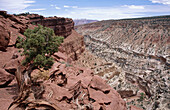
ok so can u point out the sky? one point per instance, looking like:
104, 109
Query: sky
89, 9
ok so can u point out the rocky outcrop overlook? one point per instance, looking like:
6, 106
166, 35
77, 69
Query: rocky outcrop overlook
63, 87
141, 47
61, 26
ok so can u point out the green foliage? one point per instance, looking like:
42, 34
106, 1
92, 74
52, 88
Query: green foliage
141, 96
38, 46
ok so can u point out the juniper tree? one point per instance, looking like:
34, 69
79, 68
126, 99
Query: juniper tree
39, 45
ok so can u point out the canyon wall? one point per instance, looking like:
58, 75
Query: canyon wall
61, 26
13, 26
67, 87
83, 21
141, 47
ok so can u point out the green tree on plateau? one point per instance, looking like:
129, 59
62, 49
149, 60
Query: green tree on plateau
38, 46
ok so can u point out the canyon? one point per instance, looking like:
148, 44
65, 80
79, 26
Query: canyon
83, 21
65, 86
136, 58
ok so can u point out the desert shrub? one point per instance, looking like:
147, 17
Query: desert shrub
39, 44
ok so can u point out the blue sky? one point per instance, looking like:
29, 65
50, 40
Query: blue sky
89, 9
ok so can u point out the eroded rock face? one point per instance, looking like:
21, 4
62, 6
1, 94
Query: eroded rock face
61, 26
4, 37
141, 48
78, 88
73, 45
69, 87
13, 26
5, 78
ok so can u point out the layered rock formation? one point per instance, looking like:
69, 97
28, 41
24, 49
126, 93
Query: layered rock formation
141, 47
61, 26
83, 21
67, 87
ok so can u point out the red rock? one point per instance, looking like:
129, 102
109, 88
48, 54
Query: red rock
96, 106
117, 103
99, 84
126, 93
62, 67
6, 56
3, 13
54, 68
68, 81
60, 55
61, 26
7, 95
132, 107
5, 78
53, 91
4, 37
73, 45
99, 96
12, 66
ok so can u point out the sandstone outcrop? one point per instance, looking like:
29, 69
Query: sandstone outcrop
61, 26
141, 48
5, 78
66, 86
73, 45
4, 37
73, 87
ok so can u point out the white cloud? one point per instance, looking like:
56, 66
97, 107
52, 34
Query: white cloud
134, 6
101, 13
58, 8
38, 9
66, 6
13, 6
165, 2
29, 1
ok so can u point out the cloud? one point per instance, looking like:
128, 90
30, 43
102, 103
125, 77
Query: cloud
102, 13
38, 9
58, 8
165, 2
74, 6
66, 6
13, 6
134, 6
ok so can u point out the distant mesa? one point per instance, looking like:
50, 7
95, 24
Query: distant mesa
83, 21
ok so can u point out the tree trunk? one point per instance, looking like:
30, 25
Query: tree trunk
26, 99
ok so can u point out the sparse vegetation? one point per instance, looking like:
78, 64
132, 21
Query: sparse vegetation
38, 46
141, 96
44, 75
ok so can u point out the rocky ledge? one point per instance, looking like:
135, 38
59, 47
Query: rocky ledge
66, 86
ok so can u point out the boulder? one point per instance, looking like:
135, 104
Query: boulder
99, 84
12, 66
5, 78
4, 37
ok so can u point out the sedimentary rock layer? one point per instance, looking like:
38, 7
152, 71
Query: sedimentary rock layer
141, 47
